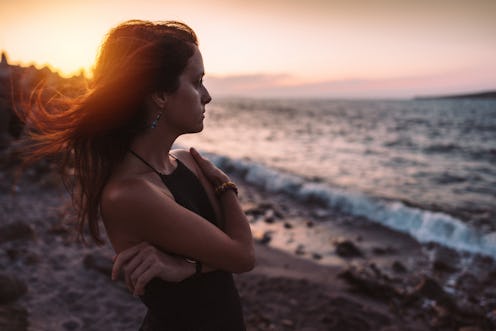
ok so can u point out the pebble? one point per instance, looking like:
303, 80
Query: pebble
266, 238
316, 256
11, 289
16, 231
300, 250
399, 267
347, 248
382, 250
445, 259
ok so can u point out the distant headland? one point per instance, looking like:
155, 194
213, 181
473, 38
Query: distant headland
478, 95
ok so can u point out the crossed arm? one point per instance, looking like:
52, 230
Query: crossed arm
160, 231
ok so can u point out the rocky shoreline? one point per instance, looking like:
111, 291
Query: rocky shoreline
360, 277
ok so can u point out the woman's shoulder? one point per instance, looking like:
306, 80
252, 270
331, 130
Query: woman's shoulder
119, 192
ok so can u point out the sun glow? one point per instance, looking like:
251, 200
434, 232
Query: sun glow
310, 43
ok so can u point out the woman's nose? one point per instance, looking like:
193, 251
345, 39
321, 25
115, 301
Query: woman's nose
206, 98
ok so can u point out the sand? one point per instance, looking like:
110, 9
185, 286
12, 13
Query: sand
316, 270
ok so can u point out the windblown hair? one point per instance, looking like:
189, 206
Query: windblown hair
92, 132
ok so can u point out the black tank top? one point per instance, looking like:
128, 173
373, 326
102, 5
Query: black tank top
206, 302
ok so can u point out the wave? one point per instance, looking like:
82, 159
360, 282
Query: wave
424, 225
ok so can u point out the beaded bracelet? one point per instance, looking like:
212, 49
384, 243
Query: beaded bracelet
219, 190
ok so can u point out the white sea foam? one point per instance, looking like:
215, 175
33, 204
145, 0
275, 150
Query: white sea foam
424, 225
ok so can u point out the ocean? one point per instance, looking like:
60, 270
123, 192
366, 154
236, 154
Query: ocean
422, 167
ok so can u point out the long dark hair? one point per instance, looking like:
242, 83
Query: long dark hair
92, 132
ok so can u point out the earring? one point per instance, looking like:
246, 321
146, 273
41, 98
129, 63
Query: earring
155, 121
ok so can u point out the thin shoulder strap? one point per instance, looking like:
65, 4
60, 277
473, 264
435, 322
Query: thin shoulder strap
143, 160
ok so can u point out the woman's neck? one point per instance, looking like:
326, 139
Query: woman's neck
154, 148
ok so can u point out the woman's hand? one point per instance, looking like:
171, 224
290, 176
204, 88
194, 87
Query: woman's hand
143, 262
214, 175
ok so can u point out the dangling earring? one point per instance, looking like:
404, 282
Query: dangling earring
155, 121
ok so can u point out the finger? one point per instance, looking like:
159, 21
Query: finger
198, 158
149, 253
129, 282
141, 269
144, 279
135, 261
122, 258
134, 267
206, 166
140, 262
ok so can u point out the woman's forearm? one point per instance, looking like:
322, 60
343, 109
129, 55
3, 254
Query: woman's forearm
237, 227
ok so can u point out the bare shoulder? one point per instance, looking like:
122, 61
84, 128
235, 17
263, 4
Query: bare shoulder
123, 194
122, 189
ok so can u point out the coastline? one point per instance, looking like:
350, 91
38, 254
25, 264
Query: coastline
365, 277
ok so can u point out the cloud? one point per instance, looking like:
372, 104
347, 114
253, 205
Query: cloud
285, 85
245, 84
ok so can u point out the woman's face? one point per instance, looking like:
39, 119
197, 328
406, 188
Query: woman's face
185, 107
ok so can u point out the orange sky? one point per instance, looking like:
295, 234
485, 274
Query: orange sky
336, 48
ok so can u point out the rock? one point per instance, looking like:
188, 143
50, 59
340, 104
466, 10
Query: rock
99, 263
255, 211
383, 250
469, 308
11, 289
269, 216
316, 256
300, 250
309, 224
13, 318
430, 288
399, 267
16, 231
445, 259
468, 283
490, 279
288, 225
266, 238
368, 285
348, 249
247, 206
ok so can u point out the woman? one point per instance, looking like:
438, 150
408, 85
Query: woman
173, 215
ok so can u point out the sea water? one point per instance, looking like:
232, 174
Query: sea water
423, 167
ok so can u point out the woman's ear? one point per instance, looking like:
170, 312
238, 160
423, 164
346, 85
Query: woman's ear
160, 99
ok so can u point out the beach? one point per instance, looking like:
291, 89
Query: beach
368, 277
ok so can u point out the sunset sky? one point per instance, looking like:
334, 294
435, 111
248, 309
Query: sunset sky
311, 48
